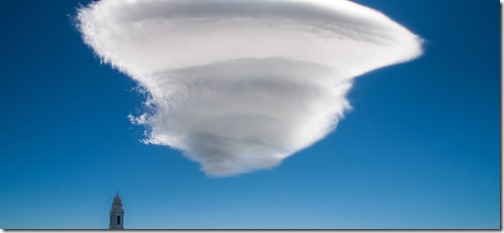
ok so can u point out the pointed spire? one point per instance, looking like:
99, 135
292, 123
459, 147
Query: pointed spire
117, 199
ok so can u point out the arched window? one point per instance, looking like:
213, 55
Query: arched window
118, 220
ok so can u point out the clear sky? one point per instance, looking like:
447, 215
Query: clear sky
420, 149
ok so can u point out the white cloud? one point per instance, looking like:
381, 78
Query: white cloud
239, 85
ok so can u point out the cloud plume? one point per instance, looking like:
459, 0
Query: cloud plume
240, 85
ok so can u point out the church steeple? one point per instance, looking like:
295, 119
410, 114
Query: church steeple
117, 214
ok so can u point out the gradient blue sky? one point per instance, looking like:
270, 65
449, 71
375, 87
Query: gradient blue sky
421, 149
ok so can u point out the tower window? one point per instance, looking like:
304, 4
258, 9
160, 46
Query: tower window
118, 220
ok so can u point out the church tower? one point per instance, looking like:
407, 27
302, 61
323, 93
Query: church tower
117, 214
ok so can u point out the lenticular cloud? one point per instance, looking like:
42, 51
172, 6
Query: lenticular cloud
240, 85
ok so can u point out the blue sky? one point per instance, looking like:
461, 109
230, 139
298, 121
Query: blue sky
420, 149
